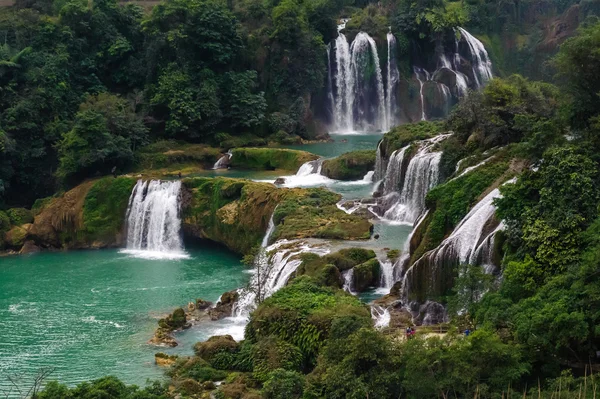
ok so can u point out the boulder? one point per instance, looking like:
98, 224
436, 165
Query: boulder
15, 237
224, 307
29, 247
279, 181
163, 337
201, 304
366, 275
164, 360
174, 321
215, 345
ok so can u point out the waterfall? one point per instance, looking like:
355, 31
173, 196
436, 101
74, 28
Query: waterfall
480, 62
393, 173
348, 280
308, 175
418, 72
330, 97
153, 219
392, 80
471, 242
387, 274
379, 164
223, 162
422, 174
274, 266
381, 316
364, 52
343, 115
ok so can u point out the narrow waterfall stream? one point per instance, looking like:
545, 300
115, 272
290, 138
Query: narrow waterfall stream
153, 220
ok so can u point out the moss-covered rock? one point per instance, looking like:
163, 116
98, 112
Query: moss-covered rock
15, 237
4, 222
236, 212
174, 321
19, 216
215, 346
270, 159
173, 154
350, 166
326, 270
91, 215
402, 135
366, 275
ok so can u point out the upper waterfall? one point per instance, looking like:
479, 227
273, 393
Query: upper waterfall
364, 95
153, 220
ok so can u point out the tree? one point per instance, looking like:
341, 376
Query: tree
243, 108
105, 134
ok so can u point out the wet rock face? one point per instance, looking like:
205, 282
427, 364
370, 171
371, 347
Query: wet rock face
428, 313
224, 307
366, 275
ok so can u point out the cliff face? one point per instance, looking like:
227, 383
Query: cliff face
90, 215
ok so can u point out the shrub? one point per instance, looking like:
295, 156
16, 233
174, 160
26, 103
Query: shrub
219, 351
283, 384
19, 216
271, 353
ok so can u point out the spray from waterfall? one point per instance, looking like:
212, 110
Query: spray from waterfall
153, 220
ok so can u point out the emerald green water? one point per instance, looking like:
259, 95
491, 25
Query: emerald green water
90, 313
341, 144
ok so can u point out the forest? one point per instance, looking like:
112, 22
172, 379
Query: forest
91, 88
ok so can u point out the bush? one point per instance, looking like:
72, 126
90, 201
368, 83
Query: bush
19, 216
271, 353
283, 384
350, 166
4, 222
219, 351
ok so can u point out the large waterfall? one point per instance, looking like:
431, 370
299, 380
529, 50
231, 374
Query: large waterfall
363, 95
358, 96
407, 182
153, 219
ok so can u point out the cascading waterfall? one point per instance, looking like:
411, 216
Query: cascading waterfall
381, 316
364, 54
393, 177
392, 80
277, 264
422, 174
480, 62
153, 219
223, 162
343, 115
361, 100
348, 280
471, 242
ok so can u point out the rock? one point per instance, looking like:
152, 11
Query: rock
366, 275
201, 304
376, 236
279, 181
15, 237
349, 166
163, 337
214, 345
224, 307
164, 360
174, 321
29, 247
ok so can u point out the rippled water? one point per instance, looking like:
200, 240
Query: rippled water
90, 313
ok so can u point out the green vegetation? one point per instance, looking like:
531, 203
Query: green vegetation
403, 135
107, 387
104, 208
269, 159
175, 154
349, 166
236, 212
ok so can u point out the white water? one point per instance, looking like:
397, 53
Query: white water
381, 317
153, 220
348, 280
387, 274
343, 115
363, 47
309, 175
418, 73
277, 264
393, 172
223, 162
393, 76
482, 66
421, 176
